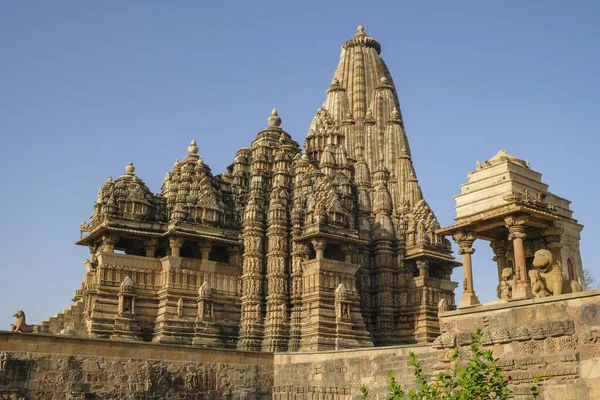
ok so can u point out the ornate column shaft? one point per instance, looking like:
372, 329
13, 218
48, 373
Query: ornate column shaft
465, 241
516, 234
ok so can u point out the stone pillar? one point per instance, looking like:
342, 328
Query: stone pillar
516, 234
348, 250
552, 237
205, 248
423, 267
499, 249
108, 242
234, 255
300, 253
465, 241
175, 243
319, 245
151, 247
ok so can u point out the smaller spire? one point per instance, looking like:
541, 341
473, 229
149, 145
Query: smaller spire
395, 114
130, 169
109, 179
193, 149
274, 120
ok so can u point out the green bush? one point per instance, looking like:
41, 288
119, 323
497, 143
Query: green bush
478, 378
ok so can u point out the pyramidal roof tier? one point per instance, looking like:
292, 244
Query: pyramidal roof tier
362, 103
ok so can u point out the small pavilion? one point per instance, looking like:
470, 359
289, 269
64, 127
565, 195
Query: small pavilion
506, 203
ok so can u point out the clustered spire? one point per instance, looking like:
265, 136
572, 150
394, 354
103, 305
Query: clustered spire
340, 231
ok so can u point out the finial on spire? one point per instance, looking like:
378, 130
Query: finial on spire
176, 163
130, 169
193, 149
109, 179
361, 31
274, 120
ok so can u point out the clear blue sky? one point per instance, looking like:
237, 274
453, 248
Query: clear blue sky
85, 87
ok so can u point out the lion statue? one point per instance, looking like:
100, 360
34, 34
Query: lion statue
20, 325
551, 276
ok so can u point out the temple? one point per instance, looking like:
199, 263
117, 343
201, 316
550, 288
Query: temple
254, 283
334, 247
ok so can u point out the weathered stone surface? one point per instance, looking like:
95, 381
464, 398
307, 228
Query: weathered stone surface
545, 338
46, 367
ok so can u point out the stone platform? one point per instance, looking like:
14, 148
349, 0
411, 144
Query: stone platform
557, 338
41, 366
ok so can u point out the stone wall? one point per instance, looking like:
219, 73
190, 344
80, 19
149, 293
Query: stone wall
557, 338
37, 366
338, 375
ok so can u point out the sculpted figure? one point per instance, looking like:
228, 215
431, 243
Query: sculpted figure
20, 325
505, 288
537, 287
442, 306
551, 275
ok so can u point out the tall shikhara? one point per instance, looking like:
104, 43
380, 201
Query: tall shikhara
285, 251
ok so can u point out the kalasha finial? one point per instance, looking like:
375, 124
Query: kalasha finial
361, 31
176, 163
130, 169
274, 120
109, 179
193, 149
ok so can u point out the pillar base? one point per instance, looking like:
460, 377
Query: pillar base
468, 299
522, 290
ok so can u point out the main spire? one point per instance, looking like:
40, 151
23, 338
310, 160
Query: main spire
363, 104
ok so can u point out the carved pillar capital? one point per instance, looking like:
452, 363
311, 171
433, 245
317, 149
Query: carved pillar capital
465, 239
108, 242
423, 267
516, 220
150, 247
465, 250
516, 226
175, 242
319, 245
205, 248
552, 234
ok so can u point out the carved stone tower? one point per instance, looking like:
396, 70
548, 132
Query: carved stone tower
284, 251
